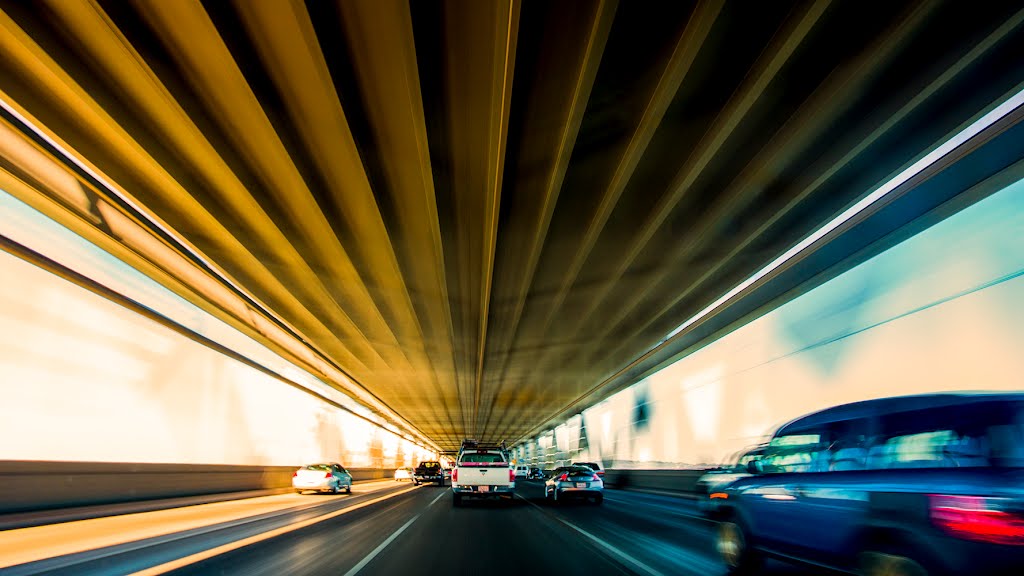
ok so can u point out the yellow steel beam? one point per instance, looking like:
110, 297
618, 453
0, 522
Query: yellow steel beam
480, 40
214, 76
687, 46
379, 35
827, 102
564, 110
684, 53
73, 111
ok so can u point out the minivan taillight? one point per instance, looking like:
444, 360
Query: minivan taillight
977, 518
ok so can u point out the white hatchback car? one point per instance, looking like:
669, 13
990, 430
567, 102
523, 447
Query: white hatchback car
327, 477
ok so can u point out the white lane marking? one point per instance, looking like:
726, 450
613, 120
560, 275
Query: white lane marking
605, 545
206, 554
380, 548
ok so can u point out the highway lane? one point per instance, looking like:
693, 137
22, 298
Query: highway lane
632, 533
128, 543
483, 537
666, 533
396, 528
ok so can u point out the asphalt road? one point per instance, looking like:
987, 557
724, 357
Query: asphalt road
421, 532
400, 529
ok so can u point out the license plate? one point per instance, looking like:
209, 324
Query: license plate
581, 484
484, 489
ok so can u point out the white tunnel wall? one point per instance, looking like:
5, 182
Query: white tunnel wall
939, 312
84, 379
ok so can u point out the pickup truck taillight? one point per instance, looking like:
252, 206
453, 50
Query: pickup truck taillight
455, 475
511, 474
977, 518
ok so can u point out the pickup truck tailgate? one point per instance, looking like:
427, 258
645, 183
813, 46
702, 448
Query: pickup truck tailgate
473, 474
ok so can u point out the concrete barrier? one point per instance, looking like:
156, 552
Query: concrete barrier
28, 485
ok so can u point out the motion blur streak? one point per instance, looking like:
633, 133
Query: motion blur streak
663, 533
163, 568
889, 326
36, 543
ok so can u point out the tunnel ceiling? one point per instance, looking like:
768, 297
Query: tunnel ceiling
481, 210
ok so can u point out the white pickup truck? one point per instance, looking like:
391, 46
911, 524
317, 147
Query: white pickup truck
482, 472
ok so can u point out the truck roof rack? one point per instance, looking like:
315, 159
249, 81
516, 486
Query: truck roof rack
470, 444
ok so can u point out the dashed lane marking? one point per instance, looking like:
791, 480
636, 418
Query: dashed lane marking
614, 551
380, 548
206, 554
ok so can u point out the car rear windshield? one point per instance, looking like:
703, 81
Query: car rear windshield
575, 470
430, 465
318, 467
482, 458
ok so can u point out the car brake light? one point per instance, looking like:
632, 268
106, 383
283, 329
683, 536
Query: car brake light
595, 477
455, 475
327, 474
977, 518
294, 474
564, 477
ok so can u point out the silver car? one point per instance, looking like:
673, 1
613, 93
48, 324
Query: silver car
328, 477
574, 482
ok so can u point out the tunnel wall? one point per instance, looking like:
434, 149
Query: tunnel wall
939, 311
83, 379
30, 486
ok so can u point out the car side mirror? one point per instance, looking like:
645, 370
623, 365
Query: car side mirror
754, 467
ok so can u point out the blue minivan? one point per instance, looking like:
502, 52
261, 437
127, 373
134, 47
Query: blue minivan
915, 485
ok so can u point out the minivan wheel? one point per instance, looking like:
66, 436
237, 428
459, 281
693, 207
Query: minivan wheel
735, 550
875, 563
